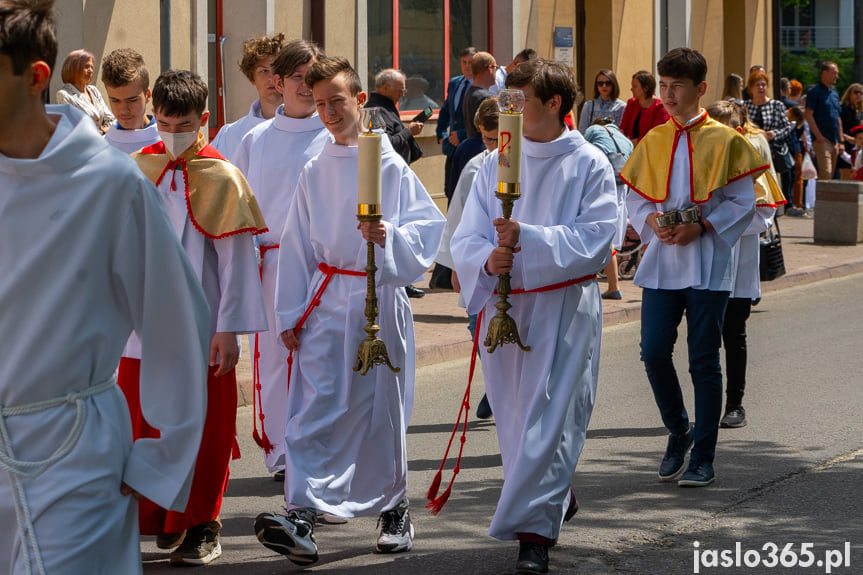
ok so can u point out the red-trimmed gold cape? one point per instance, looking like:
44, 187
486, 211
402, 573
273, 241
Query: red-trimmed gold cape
718, 155
218, 198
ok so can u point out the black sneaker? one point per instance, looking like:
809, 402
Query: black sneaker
532, 559
735, 417
293, 536
483, 410
397, 531
675, 454
200, 546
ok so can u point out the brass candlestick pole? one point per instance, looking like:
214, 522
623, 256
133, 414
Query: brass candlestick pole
502, 327
372, 350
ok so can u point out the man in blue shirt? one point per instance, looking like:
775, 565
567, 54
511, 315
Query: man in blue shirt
450, 123
822, 115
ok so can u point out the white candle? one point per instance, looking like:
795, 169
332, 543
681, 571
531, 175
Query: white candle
369, 184
509, 147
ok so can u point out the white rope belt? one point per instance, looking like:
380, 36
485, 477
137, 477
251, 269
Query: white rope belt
23, 469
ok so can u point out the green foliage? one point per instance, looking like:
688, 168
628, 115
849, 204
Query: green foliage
799, 3
806, 67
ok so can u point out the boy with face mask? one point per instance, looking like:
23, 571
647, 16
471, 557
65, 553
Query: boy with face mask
213, 212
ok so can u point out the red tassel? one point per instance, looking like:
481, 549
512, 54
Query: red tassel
437, 504
434, 487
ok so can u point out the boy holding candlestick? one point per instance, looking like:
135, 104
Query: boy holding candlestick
557, 239
345, 436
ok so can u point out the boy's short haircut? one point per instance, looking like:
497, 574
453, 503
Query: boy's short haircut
74, 64
548, 78
178, 93
481, 61
293, 55
683, 63
125, 66
486, 116
525, 55
256, 49
27, 33
328, 68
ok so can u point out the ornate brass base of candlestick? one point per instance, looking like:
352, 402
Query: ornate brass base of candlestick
502, 327
372, 350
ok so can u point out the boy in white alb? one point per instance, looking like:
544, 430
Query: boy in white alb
88, 255
345, 432
127, 83
694, 197
256, 65
213, 212
272, 174
559, 237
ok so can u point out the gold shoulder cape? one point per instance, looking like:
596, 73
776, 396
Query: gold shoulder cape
218, 198
718, 155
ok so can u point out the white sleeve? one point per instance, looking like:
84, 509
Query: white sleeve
171, 316
241, 304
734, 213
454, 212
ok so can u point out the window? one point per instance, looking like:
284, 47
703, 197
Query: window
423, 39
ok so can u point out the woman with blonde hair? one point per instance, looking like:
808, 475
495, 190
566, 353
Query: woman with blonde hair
78, 73
851, 113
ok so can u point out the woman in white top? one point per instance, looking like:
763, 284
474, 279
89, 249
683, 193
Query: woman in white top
606, 101
78, 74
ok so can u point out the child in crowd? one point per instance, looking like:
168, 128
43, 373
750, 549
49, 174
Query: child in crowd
694, 197
127, 83
256, 65
346, 450
214, 214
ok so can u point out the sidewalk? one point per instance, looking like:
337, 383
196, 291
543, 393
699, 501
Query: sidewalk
441, 326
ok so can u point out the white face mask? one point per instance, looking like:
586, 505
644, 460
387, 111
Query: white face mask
178, 143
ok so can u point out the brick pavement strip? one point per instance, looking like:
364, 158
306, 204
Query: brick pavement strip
440, 324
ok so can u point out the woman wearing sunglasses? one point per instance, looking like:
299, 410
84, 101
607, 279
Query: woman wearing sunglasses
605, 101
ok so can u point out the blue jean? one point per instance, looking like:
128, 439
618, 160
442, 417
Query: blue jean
661, 312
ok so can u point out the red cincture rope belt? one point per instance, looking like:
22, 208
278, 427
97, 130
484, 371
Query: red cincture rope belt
257, 401
435, 502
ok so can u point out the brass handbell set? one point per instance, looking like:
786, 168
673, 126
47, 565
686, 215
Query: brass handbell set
372, 350
502, 327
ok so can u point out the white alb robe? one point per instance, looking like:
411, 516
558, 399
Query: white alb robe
88, 255
129, 141
704, 263
228, 140
567, 214
271, 157
345, 433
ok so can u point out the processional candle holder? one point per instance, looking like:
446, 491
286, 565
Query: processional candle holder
372, 350
502, 327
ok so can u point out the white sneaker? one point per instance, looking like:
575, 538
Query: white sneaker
292, 536
397, 531
330, 519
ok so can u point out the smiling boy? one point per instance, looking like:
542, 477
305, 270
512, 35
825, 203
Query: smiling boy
346, 450
273, 176
214, 214
257, 66
694, 197
127, 83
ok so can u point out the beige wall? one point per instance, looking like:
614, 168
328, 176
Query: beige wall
633, 48
241, 20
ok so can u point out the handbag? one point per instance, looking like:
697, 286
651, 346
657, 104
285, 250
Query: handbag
771, 264
782, 158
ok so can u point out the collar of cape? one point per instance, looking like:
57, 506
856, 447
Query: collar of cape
718, 156
218, 198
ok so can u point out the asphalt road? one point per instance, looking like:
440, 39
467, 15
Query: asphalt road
792, 476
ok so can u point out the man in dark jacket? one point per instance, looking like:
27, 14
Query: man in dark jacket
389, 87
